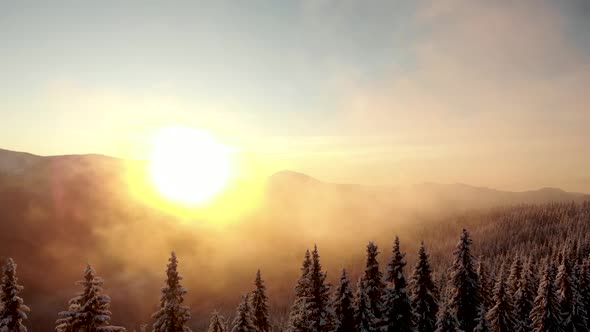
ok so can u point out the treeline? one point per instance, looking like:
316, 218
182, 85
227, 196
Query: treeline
527, 295
535, 276
537, 230
551, 294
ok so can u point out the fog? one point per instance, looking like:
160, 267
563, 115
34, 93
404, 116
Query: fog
489, 93
65, 212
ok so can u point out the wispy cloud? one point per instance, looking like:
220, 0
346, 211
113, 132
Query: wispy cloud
489, 82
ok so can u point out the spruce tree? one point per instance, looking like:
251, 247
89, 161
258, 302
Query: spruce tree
321, 313
424, 294
570, 302
243, 320
487, 284
343, 306
12, 309
501, 315
584, 284
535, 274
172, 315
447, 321
217, 323
581, 320
397, 310
524, 297
260, 314
515, 276
546, 316
482, 322
373, 284
364, 314
465, 296
89, 311
299, 316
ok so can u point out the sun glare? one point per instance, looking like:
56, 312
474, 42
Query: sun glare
188, 165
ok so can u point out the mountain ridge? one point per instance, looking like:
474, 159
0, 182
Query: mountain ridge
294, 175
59, 212
16, 162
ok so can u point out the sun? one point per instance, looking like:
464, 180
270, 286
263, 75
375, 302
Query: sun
188, 165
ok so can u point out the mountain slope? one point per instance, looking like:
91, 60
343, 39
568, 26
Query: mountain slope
300, 192
12, 162
57, 213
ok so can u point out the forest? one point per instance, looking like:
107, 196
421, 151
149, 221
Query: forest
527, 270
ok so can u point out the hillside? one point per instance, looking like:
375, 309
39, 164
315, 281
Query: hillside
57, 213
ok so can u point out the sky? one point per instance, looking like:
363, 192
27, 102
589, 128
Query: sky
485, 92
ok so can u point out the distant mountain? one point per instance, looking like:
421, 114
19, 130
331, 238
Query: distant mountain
59, 212
302, 190
12, 162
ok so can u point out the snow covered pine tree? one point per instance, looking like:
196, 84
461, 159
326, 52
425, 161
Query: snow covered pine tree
524, 297
89, 311
570, 302
217, 323
322, 318
299, 315
397, 310
370, 289
260, 316
343, 305
584, 283
482, 322
424, 294
447, 321
486, 284
172, 315
465, 297
546, 316
501, 315
12, 310
243, 320
364, 317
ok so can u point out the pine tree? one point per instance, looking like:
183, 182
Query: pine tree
299, 316
243, 320
584, 284
501, 315
465, 297
343, 304
172, 315
487, 284
217, 323
570, 302
373, 284
260, 314
535, 276
447, 321
364, 315
397, 311
524, 297
321, 313
89, 311
546, 316
482, 322
580, 314
515, 276
424, 294
12, 309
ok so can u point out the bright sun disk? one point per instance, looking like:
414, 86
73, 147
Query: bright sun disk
188, 165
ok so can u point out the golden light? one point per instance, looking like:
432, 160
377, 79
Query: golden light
188, 165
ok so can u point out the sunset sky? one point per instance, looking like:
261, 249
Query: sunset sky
492, 92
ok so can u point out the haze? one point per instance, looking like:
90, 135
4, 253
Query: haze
490, 93
241, 133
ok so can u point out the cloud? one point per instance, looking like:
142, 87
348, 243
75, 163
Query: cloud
489, 82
